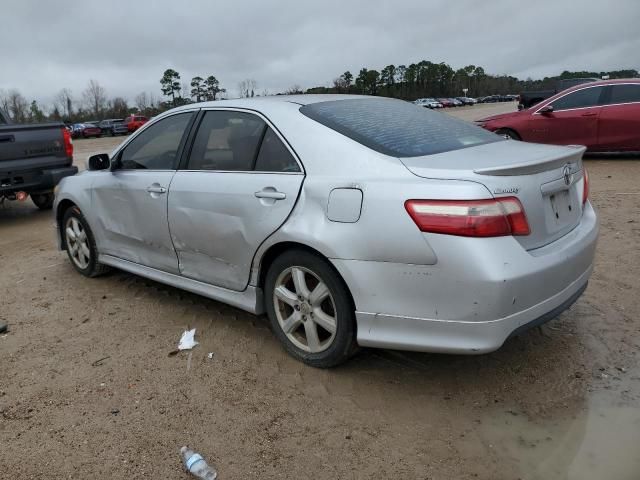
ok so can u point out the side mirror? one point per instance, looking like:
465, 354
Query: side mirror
99, 162
547, 109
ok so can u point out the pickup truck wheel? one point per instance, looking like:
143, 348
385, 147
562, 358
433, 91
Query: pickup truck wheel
44, 201
80, 244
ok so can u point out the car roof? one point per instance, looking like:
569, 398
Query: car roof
598, 83
270, 104
304, 99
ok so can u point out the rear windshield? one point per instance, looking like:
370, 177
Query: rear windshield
397, 128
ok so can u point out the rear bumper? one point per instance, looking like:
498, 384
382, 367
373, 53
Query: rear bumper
480, 291
33, 181
449, 336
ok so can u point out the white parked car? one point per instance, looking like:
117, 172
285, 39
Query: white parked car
428, 103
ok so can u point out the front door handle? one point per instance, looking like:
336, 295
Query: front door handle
589, 114
272, 194
156, 189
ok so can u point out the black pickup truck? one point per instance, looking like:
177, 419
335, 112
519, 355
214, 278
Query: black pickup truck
528, 99
33, 159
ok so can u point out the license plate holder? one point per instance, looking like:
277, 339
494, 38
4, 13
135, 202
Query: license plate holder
561, 205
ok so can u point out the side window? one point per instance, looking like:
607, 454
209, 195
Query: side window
587, 97
156, 148
625, 93
226, 141
274, 156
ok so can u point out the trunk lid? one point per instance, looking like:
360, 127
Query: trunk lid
547, 179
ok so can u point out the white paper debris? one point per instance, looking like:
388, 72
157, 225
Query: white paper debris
187, 341
210, 355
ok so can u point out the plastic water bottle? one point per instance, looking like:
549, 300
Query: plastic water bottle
196, 465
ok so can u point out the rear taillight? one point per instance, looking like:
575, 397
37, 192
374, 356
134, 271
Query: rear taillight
68, 143
585, 185
470, 218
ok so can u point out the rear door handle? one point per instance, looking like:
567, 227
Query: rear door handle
273, 194
7, 138
589, 114
156, 189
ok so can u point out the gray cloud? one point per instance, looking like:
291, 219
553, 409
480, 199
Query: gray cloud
127, 45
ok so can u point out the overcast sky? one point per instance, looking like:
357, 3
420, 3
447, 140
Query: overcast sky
126, 45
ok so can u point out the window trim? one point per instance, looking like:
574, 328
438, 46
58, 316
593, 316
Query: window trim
605, 94
117, 155
598, 105
185, 158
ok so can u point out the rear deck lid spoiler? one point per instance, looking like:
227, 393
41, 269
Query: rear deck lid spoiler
536, 165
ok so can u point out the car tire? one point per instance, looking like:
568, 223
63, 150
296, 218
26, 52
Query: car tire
508, 133
304, 324
44, 201
81, 237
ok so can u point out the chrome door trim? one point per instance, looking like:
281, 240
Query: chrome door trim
569, 93
594, 106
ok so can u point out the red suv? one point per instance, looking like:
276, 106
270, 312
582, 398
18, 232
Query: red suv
604, 116
134, 122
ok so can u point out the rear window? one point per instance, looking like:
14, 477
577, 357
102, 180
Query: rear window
397, 128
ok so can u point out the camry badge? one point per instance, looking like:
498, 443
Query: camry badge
500, 191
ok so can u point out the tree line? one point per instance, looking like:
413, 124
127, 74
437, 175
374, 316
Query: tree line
428, 79
92, 104
416, 80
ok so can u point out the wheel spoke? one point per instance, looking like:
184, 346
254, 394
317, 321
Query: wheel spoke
291, 324
311, 331
85, 250
73, 249
70, 233
299, 282
286, 295
76, 226
325, 320
318, 294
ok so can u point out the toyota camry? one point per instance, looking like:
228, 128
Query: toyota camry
350, 221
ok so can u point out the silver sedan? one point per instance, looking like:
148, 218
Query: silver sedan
350, 221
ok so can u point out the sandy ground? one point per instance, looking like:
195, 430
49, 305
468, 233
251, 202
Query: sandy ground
87, 389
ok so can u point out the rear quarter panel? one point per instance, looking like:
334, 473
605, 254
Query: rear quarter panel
384, 232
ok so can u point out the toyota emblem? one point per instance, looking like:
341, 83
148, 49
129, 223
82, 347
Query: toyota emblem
567, 175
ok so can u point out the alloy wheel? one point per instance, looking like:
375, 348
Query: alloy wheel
305, 309
77, 243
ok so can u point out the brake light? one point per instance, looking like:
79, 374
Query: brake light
585, 185
470, 218
68, 143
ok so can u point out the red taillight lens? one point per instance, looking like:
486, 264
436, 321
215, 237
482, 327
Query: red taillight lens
585, 185
68, 143
470, 218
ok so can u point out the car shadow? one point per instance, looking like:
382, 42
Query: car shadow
13, 213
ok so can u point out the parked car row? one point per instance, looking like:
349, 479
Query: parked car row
445, 102
111, 126
498, 98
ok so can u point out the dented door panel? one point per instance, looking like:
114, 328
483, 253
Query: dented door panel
218, 220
